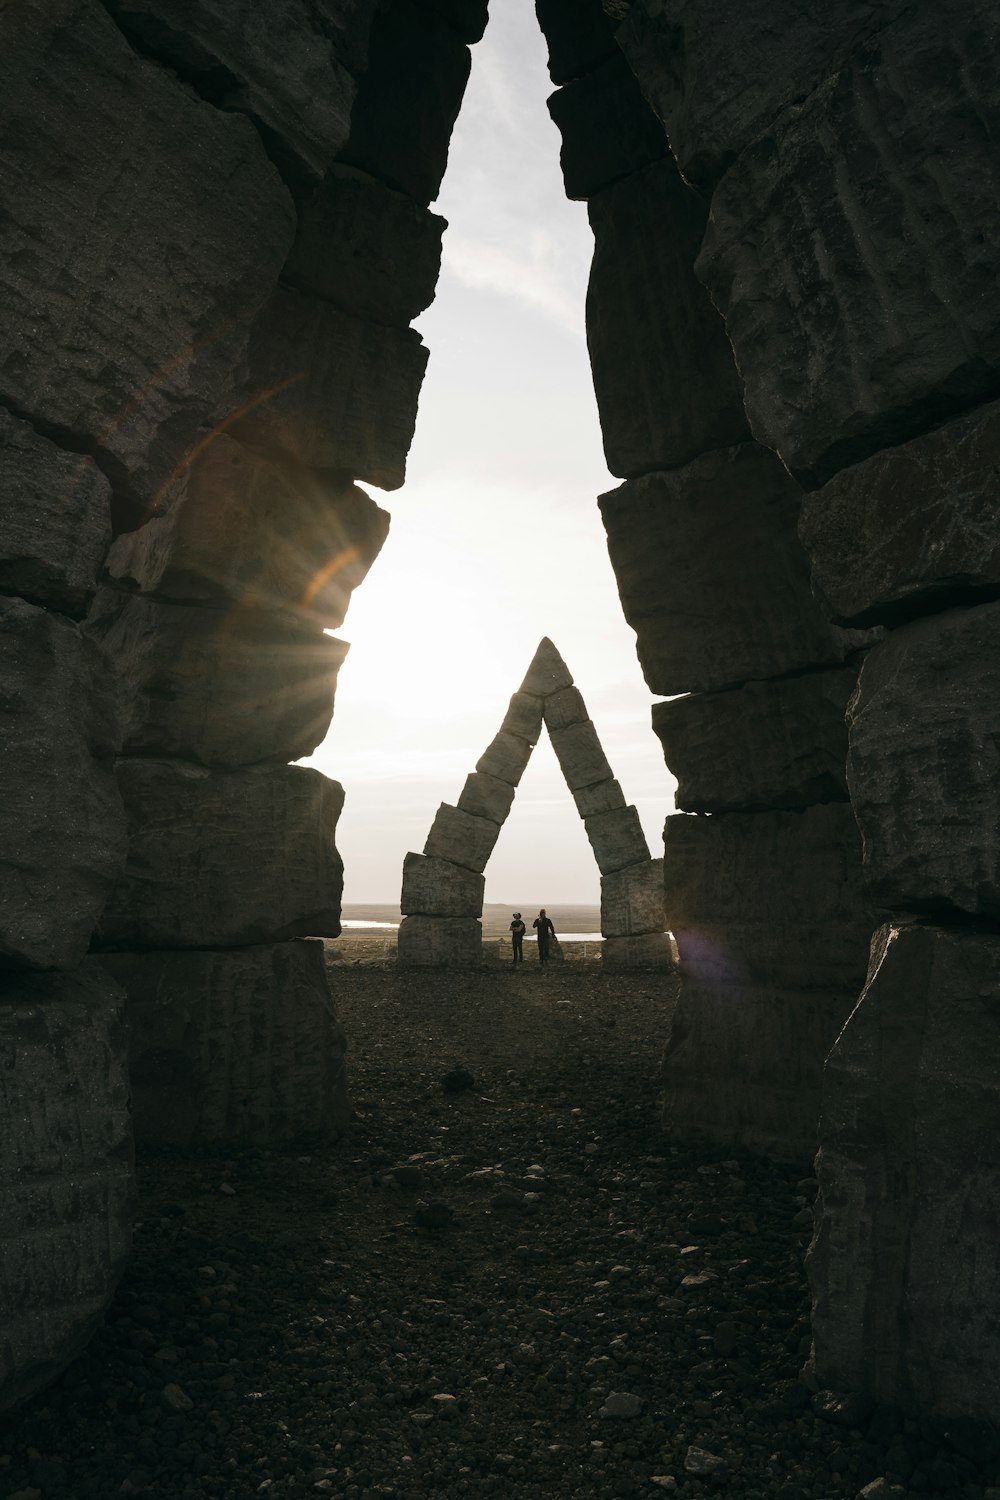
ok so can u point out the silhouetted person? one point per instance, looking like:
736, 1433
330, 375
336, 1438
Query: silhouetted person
517, 930
543, 926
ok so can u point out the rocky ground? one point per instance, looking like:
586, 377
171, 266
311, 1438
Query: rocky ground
502, 1282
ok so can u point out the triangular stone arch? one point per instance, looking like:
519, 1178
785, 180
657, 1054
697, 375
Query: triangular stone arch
442, 895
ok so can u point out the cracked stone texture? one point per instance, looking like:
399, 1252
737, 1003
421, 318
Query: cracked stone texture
765, 745
418, 61
902, 531
632, 900
505, 758
330, 391
616, 838
666, 384
649, 950
258, 533
712, 576
287, 65
546, 674
924, 764
238, 1044
223, 687
222, 858
371, 252
608, 130
55, 520
438, 888
440, 943
66, 1170
564, 708
579, 36
851, 249
602, 797
124, 340
487, 796
461, 839
63, 821
524, 717
718, 75
906, 1241
580, 755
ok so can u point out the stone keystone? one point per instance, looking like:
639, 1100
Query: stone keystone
547, 673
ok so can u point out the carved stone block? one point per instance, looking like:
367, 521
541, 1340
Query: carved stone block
505, 758
239, 1044
65, 1171
632, 901
63, 823
486, 796
440, 943
437, 888
616, 838
564, 708
664, 376
648, 950
924, 764
604, 796
905, 1265
219, 859
461, 839
608, 130
580, 755
765, 745
579, 34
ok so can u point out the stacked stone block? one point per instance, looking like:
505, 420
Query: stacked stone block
847, 159
714, 580
442, 896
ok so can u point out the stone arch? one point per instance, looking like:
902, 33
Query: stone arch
442, 894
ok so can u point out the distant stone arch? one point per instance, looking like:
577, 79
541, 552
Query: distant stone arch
442, 895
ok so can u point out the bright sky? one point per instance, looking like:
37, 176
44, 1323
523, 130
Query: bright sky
496, 538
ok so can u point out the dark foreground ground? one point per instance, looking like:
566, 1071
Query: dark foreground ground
548, 1300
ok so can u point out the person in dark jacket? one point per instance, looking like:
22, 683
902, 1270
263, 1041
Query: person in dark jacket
543, 926
517, 930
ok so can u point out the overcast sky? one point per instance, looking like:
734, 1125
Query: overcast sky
496, 539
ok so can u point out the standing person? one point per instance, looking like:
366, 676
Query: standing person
517, 930
543, 926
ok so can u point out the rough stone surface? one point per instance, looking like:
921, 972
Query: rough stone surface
608, 130
924, 764
63, 823
909, 527
580, 755
124, 339
258, 533
461, 838
718, 76
712, 576
524, 717
221, 687
851, 249
440, 942
548, 673
632, 901
372, 252
664, 377
467, 17
604, 796
579, 35
649, 950
768, 744
505, 758
564, 708
616, 838
438, 888
904, 1266
66, 1168
486, 796
233, 1045
331, 391
217, 859
55, 520
416, 60
772, 897
286, 65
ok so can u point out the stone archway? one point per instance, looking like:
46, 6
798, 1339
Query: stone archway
442, 895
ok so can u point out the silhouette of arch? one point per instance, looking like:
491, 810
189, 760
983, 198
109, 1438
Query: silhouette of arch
442, 894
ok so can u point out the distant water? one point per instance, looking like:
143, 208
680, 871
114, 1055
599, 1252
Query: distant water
380, 926
564, 937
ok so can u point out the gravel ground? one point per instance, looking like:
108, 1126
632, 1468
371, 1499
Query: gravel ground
542, 1299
